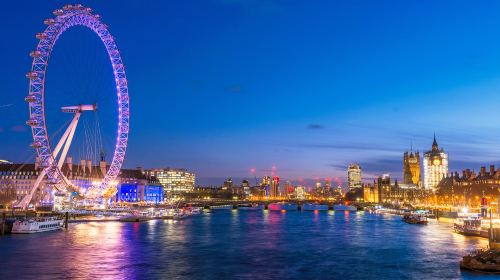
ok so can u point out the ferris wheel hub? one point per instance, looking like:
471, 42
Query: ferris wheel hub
79, 108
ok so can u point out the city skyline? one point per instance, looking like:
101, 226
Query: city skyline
309, 106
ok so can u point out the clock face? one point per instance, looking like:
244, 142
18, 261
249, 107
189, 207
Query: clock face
436, 162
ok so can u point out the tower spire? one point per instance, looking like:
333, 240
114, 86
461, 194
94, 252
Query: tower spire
434, 143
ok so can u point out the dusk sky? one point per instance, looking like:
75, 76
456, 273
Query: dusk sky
221, 86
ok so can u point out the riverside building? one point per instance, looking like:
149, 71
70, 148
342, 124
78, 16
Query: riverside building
173, 180
16, 180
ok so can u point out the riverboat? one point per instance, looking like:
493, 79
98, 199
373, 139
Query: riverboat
282, 206
35, 225
415, 218
469, 225
221, 207
250, 206
314, 207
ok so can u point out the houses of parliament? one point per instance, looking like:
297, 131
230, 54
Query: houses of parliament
411, 162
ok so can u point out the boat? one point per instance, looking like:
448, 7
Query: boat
415, 219
196, 210
180, 214
250, 206
136, 217
474, 225
35, 225
133, 218
314, 207
282, 206
222, 207
342, 207
469, 224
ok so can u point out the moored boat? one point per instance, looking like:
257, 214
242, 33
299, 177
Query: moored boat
470, 225
221, 207
314, 207
35, 225
250, 206
282, 206
415, 218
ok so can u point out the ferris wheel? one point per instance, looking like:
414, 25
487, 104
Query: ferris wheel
51, 159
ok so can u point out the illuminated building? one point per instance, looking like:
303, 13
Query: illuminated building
411, 166
370, 193
435, 166
174, 180
467, 187
138, 192
16, 180
246, 188
275, 187
393, 193
300, 192
266, 184
289, 189
354, 176
228, 184
383, 185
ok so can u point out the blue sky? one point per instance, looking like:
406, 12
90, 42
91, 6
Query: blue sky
220, 86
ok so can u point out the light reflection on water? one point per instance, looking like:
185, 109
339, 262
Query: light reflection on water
243, 245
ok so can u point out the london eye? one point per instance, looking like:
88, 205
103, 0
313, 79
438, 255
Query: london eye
52, 153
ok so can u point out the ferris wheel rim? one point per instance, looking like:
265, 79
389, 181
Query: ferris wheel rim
67, 17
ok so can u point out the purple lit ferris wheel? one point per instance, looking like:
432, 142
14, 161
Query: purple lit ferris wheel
51, 159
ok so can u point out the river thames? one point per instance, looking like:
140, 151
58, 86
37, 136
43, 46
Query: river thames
243, 245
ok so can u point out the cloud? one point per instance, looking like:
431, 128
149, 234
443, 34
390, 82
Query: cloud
379, 166
18, 128
6, 105
315, 126
338, 166
353, 146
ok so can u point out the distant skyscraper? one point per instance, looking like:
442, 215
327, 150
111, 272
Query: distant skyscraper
275, 187
354, 176
435, 166
266, 185
411, 164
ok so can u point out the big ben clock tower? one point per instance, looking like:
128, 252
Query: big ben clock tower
435, 166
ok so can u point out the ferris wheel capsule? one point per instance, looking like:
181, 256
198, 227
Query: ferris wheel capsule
41, 36
30, 98
58, 12
35, 54
67, 7
36, 145
32, 75
49, 21
32, 122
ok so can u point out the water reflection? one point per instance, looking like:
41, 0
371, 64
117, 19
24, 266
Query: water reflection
248, 245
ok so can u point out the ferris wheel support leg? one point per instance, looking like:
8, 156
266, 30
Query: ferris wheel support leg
27, 198
65, 136
72, 126
66, 140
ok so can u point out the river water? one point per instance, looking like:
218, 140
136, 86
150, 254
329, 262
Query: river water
243, 245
